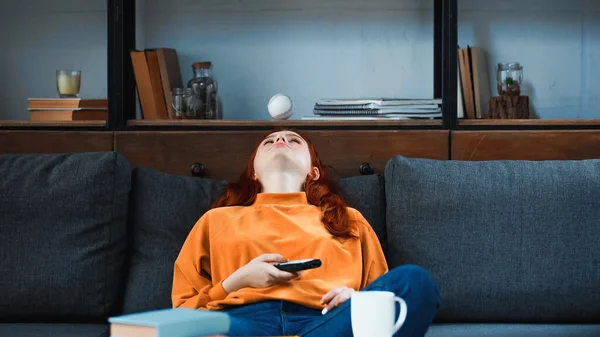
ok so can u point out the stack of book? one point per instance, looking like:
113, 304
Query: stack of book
67, 109
373, 109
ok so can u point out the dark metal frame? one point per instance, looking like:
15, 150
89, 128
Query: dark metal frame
121, 82
446, 45
438, 33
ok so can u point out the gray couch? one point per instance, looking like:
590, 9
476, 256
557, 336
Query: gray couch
514, 246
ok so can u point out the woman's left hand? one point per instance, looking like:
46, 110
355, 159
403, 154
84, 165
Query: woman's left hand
336, 297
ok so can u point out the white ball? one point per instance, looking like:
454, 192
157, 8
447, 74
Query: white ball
280, 106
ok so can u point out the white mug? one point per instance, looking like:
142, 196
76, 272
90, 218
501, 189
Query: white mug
373, 313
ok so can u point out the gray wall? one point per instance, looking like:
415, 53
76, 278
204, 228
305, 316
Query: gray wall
38, 37
309, 49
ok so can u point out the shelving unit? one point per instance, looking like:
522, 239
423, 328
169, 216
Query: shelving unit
121, 38
122, 104
221, 147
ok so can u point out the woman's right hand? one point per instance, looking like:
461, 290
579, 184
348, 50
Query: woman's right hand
258, 273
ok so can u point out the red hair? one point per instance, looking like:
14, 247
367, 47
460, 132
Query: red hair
322, 192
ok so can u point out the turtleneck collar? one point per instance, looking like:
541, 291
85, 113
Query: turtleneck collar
291, 198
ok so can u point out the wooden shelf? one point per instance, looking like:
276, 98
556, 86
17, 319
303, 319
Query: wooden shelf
281, 123
500, 122
25, 123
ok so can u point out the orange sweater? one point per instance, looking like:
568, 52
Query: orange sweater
225, 239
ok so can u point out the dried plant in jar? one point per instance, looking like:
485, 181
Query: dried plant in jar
509, 77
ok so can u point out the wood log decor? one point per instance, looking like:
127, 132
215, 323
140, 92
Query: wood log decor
509, 107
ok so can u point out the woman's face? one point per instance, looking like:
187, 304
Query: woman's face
282, 151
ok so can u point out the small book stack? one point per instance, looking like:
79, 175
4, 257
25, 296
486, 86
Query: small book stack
376, 109
67, 109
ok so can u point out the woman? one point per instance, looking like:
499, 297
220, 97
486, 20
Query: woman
284, 207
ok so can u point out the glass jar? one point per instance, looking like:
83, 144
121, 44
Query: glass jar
509, 78
204, 88
183, 103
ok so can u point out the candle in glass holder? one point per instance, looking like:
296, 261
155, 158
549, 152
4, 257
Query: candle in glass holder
68, 83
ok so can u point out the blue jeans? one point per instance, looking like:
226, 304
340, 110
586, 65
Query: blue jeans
279, 318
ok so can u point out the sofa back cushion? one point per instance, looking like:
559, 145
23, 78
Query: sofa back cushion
165, 207
63, 236
506, 241
367, 195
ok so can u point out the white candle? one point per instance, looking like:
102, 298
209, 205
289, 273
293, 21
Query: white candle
69, 82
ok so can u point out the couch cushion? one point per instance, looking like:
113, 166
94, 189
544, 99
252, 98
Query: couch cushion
164, 208
507, 241
513, 330
63, 234
367, 195
54, 330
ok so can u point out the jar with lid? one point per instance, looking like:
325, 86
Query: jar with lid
509, 78
204, 88
183, 103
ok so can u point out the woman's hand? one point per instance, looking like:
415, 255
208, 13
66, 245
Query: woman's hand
336, 297
258, 273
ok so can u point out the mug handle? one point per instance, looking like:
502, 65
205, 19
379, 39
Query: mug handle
402, 316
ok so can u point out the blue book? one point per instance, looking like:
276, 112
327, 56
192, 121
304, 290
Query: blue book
175, 322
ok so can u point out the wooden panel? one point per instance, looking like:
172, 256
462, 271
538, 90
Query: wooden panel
55, 141
224, 154
526, 145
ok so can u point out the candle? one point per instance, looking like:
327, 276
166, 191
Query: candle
68, 83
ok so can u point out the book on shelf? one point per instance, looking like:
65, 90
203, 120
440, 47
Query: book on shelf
156, 73
67, 109
68, 115
171, 322
67, 103
474, 91
460, 107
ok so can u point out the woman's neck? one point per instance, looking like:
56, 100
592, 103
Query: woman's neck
282, 182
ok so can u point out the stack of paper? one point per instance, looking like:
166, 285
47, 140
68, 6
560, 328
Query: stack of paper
381, 108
